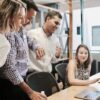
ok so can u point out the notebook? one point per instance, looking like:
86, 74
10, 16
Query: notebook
89, 93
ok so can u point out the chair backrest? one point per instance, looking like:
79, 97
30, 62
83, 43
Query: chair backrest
61, 70
42, 81
93, 68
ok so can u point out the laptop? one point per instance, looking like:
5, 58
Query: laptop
89, 93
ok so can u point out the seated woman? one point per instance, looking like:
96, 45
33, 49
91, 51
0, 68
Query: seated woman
80, 67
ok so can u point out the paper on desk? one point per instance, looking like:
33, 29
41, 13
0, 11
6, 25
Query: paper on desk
97, 84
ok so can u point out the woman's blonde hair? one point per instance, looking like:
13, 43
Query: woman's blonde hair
9, 9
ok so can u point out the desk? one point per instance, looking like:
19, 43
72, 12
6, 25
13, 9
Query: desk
95, 85
69, 93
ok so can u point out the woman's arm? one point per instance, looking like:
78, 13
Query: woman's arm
71, 76
12, 73
33, 95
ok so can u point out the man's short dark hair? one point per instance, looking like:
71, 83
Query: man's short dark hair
31, 4
51, 14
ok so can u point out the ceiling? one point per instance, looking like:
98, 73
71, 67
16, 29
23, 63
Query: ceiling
76, 3
87, 3
46, 1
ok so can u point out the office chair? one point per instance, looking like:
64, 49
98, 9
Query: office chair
56, 63
42, 81
61, 70
93, 68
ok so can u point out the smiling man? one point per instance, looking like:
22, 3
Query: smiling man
44, 36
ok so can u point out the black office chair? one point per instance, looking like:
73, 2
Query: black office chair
56, 63
93, 68
61, 70
42, 81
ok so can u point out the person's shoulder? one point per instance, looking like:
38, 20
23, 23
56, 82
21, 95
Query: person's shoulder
2, 38
3, 41
4, 49
72, 63
54, 36
5, 44
35, 30
12, 37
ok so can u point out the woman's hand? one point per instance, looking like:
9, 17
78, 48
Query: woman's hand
94, 81
37, 96
39, 53
58, 52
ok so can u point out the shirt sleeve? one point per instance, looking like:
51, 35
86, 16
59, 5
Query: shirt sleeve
58, 42
32, 43
10, 70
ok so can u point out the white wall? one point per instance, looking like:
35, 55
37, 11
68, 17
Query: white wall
91, 18
76, 22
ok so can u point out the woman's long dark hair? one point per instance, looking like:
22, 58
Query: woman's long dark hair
87, 62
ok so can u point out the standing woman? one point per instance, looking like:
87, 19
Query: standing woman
8, 10
80, 67
14, 72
